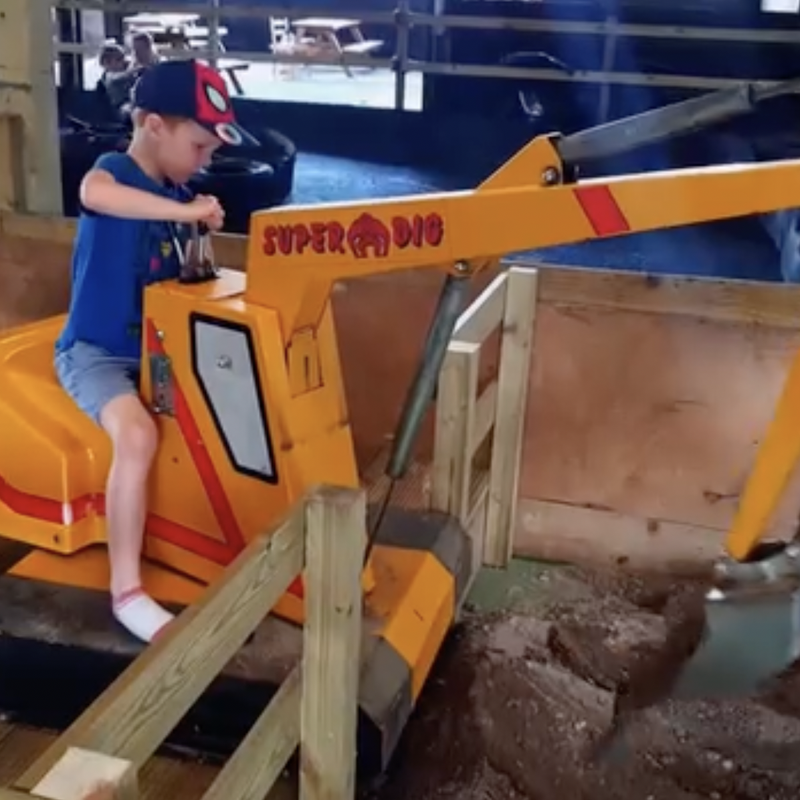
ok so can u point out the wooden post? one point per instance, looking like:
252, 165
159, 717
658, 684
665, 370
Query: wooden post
457, 390
512, 394
259, 760
403, 30
28, 109
335, 544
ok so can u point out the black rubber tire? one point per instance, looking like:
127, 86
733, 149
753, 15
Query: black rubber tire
245, 179
248, 179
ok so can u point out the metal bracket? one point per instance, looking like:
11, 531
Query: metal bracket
161, 381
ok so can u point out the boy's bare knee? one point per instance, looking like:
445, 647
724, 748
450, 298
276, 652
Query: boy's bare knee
137, 442
131, 428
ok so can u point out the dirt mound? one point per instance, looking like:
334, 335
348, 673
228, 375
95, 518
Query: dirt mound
518, 704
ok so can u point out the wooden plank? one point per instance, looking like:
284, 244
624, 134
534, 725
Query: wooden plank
455, 413
335, 542
512, 394
562, 532
253, 769
28, 91
79, 772
485, 414
161, 778
230, 250
649, 415
484, 314
722, 300
132, 718
12, 177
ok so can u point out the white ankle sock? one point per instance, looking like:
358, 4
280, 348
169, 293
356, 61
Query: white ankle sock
140, 614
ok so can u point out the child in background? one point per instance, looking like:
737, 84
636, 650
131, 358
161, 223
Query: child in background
117, 80
144, 51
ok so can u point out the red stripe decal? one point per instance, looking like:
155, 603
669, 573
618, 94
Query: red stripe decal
218, 552
215, 491
602, 210
42, 508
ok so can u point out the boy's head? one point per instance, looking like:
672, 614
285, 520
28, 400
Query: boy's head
182, 113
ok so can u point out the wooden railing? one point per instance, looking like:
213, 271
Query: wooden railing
478, 436
316, 707
403, 19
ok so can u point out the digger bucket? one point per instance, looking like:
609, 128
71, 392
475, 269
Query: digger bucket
751, 634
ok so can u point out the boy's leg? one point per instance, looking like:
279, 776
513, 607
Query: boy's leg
134, 437
105, 388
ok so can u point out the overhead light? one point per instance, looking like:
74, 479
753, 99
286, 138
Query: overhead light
780, 6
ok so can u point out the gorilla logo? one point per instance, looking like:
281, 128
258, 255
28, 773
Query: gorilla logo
369, 233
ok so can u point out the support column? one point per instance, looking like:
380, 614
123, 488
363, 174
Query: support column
30, 160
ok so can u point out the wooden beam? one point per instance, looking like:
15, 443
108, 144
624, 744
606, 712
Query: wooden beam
28, 94
335, 542
484, 314
717, 299
132, 718
572, 533
512, 396
251, 772
453, 442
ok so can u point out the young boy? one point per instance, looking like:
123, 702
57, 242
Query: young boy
132, 203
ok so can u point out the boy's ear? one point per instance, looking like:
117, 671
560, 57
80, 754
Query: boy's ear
151, 122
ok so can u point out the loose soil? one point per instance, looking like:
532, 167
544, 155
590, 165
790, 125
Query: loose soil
518, 703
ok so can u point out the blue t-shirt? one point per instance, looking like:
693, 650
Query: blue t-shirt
113, 261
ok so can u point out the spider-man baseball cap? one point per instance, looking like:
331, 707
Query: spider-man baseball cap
188, 89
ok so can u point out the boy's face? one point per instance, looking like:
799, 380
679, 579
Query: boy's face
181, 147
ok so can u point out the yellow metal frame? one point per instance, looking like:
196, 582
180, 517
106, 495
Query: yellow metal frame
54, 461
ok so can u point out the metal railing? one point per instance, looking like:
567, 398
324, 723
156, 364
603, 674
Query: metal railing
403, 20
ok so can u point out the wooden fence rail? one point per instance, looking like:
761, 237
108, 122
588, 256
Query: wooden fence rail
315, 708
478, 436
404, 20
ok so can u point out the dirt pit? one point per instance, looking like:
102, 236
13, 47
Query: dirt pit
518, 702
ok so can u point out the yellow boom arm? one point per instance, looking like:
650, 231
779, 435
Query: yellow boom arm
295, 255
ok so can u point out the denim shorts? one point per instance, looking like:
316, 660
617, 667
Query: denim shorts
93, 377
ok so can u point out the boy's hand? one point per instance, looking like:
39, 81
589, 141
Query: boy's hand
207, 209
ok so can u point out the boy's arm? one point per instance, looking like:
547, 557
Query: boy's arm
101, 193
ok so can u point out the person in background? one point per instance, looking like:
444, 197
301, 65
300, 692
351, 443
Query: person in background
144, 51
117, 80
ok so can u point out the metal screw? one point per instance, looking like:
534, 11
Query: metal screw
550, 176
224, 362
160, 335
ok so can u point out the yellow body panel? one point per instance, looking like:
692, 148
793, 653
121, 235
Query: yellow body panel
54, 467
